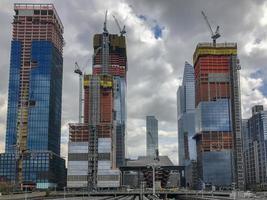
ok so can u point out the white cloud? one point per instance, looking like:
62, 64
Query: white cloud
251, 94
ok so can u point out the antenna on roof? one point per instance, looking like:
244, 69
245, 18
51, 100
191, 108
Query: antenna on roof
105, 23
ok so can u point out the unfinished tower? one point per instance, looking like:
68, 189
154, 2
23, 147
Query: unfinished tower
104, 117
218, 114
35, 95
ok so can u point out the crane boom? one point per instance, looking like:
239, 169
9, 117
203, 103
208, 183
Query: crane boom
122, 31
207, 21
215, 35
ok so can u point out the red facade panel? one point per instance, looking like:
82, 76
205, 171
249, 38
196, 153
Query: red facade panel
207, 90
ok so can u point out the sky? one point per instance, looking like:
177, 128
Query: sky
161, 36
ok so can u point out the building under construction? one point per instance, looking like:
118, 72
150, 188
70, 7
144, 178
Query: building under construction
97, 145
218, 114
34, 98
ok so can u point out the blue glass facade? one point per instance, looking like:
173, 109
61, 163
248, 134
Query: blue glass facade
186, 117
255, 148
213, 116
43, 164
44, 120
217, 167
212, 119
46, 169
152, 142
13, 95
45, 94
120, 108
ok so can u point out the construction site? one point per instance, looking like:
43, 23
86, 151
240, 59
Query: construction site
218, 112
97, 142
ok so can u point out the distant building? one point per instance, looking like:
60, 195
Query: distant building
34, 98
151, 135
166, 174
255, 148
218, 114
186, 117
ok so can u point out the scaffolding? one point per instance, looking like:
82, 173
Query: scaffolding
236, 123
94, 118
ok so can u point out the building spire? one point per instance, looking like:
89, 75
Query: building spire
105, 23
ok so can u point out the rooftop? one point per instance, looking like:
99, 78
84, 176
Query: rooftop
147, 160
38, 6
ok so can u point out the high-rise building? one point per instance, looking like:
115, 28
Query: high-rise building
255, 148
97, 146
34, 98
152, 143
186, 117
218, 114
118, 69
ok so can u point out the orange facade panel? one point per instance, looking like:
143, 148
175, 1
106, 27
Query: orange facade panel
115, 70
214, 141
104, 130
106, 105
211, 91
78, 132
212, 75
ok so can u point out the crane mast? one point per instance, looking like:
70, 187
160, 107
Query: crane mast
105, 47
78, 71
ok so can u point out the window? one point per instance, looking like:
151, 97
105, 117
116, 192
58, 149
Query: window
43, 12
50, 12
29, 19
37, 12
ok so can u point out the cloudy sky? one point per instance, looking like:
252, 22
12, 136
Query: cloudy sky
161, 36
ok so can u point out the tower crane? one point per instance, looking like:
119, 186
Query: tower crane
214, 35
122, 31
77, 70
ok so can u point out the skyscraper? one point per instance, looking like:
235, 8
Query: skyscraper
151, 136
97, 146
186, 117
255, 149
34, 97
218, 114
117, 62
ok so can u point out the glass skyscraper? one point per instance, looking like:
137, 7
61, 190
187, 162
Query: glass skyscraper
186, 117
255, 148
151, 135
35, 96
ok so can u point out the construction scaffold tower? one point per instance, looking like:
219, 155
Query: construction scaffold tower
94, 118
236, 124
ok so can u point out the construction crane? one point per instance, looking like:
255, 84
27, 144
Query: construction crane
122, 31
77, 70
214, 35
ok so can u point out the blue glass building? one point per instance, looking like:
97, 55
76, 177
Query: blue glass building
35, 96
186, 117
152, 141
255, 148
